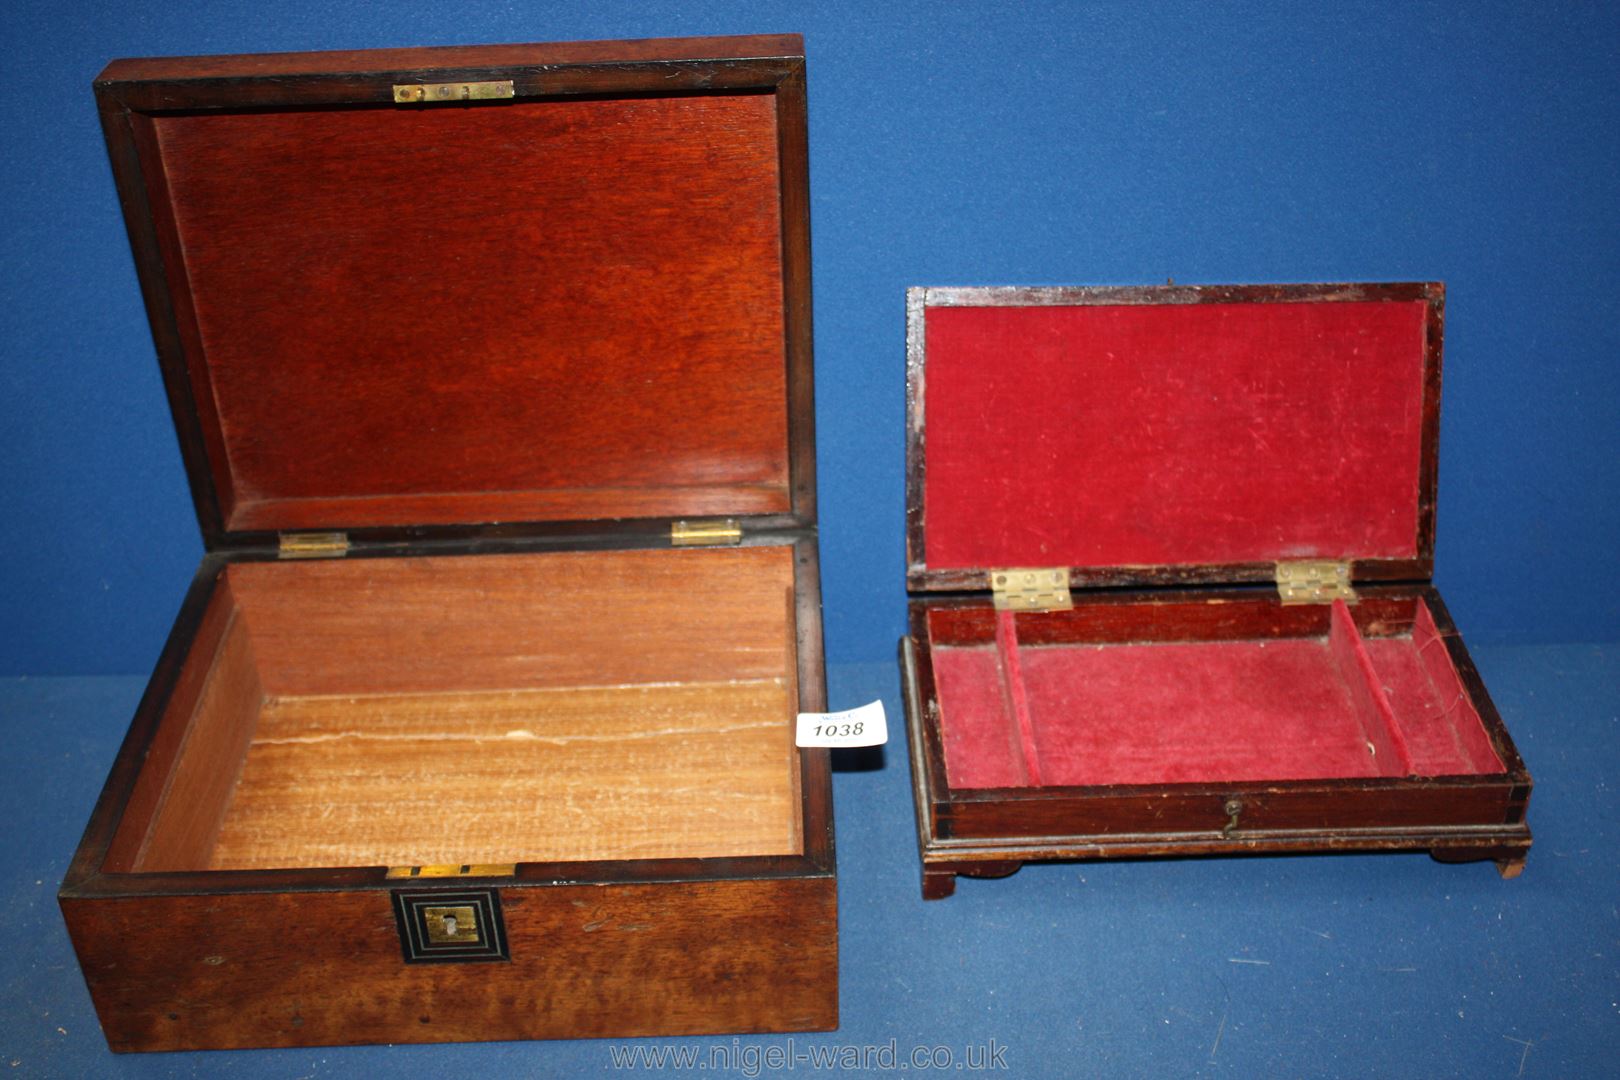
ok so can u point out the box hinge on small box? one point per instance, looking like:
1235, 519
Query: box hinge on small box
1315, 581
1031, 589
332, 545
421, 93
724, 531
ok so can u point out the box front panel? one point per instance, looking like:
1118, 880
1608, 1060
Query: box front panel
327, 968
1247, 813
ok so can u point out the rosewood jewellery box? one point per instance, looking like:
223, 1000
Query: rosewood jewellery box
1169, 553
492, 375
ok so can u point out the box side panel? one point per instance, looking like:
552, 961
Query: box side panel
310, 969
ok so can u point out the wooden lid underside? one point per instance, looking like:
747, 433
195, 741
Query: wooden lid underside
557, 308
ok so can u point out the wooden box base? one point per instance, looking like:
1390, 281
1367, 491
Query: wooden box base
594, 747
1203, 722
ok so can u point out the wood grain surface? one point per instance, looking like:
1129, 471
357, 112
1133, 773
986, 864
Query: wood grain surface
545, 310
628, 772
454, 709
307, 969
502, 622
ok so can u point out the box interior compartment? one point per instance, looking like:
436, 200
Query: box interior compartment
1192, 691
479, 709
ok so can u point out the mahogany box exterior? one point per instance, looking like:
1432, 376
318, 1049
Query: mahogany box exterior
1169, 553
491, 368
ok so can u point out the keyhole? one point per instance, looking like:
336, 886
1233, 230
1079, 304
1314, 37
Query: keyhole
449, 926
1233, 808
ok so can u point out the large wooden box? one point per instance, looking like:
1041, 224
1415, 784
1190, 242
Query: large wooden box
492, 374
1169, 553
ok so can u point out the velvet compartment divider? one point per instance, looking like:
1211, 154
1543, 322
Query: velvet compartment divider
1021, 714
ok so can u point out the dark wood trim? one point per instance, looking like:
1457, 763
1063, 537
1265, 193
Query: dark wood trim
1469, 675
1429, 462
942, 863
930, 740
917, 575
1245, 612
920, 578
762, 50
1270, 810
517, 537
815, 765
1325, 788
1075, 295
351, 878
529, 81
920, 702
793, 135
136, 174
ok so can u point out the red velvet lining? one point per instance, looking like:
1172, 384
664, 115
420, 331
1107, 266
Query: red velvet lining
981, 748
1216, 711
1381, 731
1172, 434
1015, 695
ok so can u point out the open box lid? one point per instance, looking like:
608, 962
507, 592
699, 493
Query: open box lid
1167, 435
547, 289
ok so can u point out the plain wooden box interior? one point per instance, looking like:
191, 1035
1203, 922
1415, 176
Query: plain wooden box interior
540, 707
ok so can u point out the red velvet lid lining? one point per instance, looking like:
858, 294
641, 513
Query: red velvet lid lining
1111, 436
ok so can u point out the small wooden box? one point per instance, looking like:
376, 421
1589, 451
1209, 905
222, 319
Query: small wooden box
1169, 553
492, 375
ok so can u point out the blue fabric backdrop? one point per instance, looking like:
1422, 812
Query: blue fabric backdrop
1085, 143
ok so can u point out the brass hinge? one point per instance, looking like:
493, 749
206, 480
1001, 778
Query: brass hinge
419, 93
452, 870
1031, 589
718, 532
332, 545
1315, 581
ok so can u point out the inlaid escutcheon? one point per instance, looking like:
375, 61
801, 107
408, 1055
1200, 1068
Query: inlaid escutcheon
445, 927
